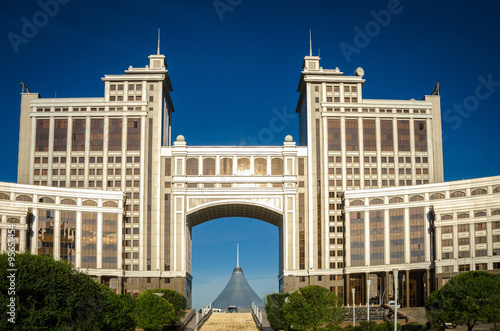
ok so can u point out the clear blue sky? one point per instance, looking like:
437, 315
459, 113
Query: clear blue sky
231, 68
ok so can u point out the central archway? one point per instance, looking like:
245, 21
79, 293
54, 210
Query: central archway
237, 210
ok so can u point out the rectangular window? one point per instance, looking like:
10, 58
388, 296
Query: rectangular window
396, 235
404, 135
89, 240
420, 136
417, 233
60, 134
42, 135
109, 243
133, 134
369, 135
78, 135
351, 135
357, 239
334, 141
115, 134
377, 237
68, 236
96, 134
386, 136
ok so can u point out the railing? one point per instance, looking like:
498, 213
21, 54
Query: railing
376, 313
257, 315
202, 317
184, 325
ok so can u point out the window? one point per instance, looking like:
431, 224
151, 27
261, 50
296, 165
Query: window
192, 167
478, 191
260, 166
437, 196
208, 166
396, 200
369, 135
417, 198
96, 134
457, 194
78, 135
404, 135
42, 135
351, 135
133, 134
277, 167
386, 135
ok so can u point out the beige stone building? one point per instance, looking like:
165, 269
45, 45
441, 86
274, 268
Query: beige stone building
120, 144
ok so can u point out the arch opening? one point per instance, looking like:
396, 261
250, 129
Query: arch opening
234, 209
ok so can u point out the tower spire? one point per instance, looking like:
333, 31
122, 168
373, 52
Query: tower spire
237, 255
158, 51
310, 44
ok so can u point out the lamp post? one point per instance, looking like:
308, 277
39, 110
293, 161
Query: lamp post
353, 308
368, 284
396, 281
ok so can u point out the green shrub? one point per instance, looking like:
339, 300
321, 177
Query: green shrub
152, 312
176, 299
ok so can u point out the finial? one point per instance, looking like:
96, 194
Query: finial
310, 44
158, 51
238, 255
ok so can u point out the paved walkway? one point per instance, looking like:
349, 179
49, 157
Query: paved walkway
230, 322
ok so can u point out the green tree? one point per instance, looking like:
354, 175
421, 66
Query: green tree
312, 307
176, 299
152, 312
121, 312
274, 311
50, 295
467, 299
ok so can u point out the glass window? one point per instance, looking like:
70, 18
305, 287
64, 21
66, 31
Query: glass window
60, 134
42, 135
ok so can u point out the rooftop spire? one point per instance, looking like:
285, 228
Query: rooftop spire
158, 51
310, 44
237, 255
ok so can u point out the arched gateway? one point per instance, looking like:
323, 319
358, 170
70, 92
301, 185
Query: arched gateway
206, 183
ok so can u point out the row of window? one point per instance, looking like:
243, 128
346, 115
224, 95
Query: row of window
372, 110
226, 166
373, 159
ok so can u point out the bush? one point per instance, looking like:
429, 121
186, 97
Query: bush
176, 299
274, 311
152, 312
51, 295
312, 307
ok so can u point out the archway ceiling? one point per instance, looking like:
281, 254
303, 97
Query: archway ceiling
234, 210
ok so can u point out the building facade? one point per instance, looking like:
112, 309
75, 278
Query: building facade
121, 145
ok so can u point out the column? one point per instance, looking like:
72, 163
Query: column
347, 289
386, 287
427, 285
120, 285
407, 288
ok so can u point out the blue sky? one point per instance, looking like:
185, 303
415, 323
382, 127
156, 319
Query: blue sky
232, 67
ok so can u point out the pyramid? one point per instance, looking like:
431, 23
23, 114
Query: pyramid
237, 293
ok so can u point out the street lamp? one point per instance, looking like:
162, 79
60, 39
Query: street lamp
396, 281
368, 284
353, 308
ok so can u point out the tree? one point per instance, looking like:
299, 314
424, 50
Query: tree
467, 299
274, 311
176, 299
152, 312
121, 312
50, 295
311, 307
